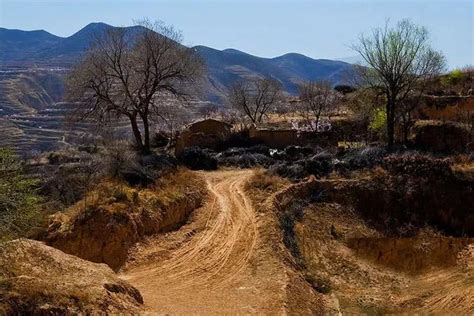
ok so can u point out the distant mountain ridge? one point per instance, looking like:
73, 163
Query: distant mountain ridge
39, 48
229, 65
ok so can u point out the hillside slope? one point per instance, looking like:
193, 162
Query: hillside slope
18, 45
228, 66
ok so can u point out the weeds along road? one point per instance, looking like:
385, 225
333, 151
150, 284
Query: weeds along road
214, 264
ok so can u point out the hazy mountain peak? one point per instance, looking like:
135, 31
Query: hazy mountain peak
97, 25
291, 55
234, 51
20, 35
92, 28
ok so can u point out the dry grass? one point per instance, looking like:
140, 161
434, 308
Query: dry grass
463, 165
465, 170
351, 145
460, 112
267, 183
117, 196
283, 121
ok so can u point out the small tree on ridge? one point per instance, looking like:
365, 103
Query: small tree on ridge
254, 98
398, 58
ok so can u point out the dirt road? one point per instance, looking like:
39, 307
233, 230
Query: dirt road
215, 264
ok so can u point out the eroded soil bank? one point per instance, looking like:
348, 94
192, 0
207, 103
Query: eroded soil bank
36, 279
349, 255
257, 244
104, 225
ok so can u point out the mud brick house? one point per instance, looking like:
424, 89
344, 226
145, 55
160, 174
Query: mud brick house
208, 133
275, 138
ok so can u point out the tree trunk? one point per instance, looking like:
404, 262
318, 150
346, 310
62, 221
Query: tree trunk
146, 131
390, 122
406, 128
136, 132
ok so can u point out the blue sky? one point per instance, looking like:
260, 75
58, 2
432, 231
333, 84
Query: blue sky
267, 28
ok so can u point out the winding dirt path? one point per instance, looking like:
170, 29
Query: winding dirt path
215, 264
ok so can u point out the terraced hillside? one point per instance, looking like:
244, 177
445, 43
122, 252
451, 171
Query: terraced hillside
32, 116
28, 118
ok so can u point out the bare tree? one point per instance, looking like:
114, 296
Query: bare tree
255, 98
406, 109
208, 110
128, 72
317, 99
172, 116
398, 58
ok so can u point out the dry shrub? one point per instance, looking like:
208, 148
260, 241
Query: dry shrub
292, 213
136, 170
196, 158
19, 201
417, 165
118, 160
361, 158
267, 182
417, 197
65, 184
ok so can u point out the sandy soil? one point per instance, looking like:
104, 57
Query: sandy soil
215, 264
372, 274
230, 259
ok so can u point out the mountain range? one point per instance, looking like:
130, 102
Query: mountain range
33, 65
42, 49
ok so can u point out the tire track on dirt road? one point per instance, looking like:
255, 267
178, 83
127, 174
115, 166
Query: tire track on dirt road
209, 272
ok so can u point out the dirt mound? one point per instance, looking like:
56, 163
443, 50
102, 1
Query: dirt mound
400, 204
420, 255
208, 133
441, 136
364, 268
105, 224
37, 279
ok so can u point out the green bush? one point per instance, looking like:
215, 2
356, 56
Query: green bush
378, 123
18, 198
454, 77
